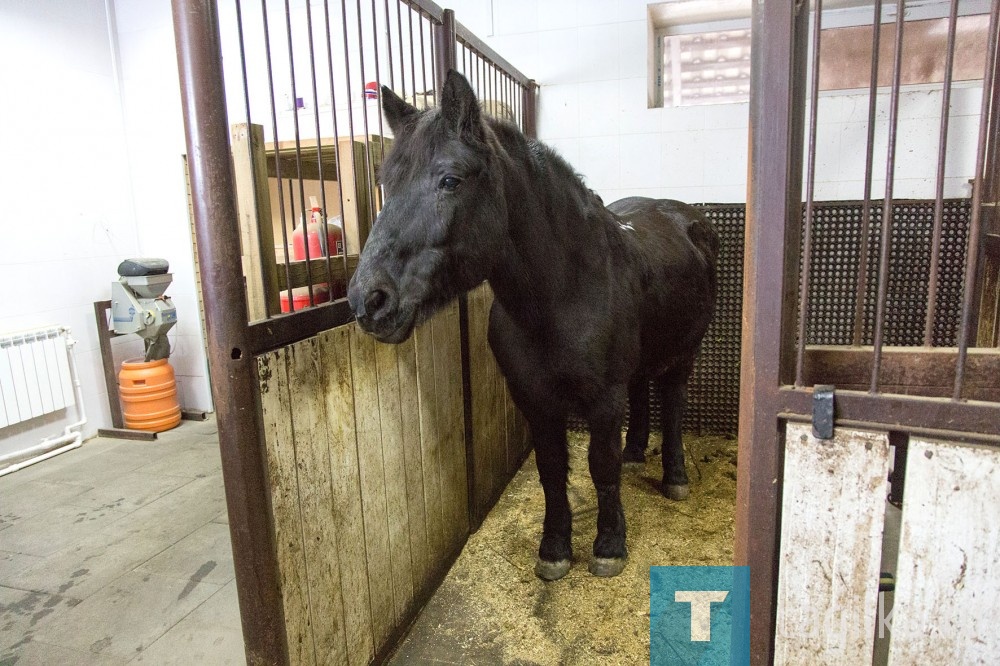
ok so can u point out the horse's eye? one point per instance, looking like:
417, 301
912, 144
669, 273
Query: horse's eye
449, 183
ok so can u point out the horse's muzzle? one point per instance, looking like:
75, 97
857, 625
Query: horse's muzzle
375, 303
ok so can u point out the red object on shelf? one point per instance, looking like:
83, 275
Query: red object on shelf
318, 245
300, 297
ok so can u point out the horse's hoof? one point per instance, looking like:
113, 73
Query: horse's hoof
551, 570
607, 567
677, 492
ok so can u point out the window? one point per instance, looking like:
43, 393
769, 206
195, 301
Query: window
706, 68
701, 48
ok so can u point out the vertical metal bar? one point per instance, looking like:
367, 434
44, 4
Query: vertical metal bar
423, 58
325, 212
773, 230
444, 43
277, 153
932, 279
336, 134
362, 235
388, 41
199, 63
435, 81
369, 167
402, 58
529, 125
810, 190
413, 66
890, 168
298, 163
866, 204
378, 81
253, 181
972, 253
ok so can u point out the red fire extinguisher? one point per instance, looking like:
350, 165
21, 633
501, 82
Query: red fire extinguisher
319, 245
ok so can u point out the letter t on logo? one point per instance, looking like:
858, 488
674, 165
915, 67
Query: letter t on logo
701, 610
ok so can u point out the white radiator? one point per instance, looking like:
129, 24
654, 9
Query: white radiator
34, 374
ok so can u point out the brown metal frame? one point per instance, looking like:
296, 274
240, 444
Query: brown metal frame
772, 390
233, 343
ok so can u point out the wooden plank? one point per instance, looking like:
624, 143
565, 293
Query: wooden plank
373, 497
831, 534
430, 437
926, 371
299, 274
312, 456
348, 520
448, 378
394, 466
254, 205
478, 378
415, 502
283, 483
947, 587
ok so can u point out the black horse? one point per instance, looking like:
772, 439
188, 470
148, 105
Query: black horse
590, 302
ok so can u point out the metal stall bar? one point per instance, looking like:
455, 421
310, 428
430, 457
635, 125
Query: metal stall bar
810, 191
199, 62
866, 203
972, 254
773, 229
890, 168
939, 190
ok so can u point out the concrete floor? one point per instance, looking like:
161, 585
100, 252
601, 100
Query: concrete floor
118, 552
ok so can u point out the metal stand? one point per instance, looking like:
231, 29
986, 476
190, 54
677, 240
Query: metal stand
104, 335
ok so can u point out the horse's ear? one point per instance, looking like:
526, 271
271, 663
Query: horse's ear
400, 115
459, 106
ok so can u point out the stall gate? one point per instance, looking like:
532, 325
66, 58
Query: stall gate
828, 431
354, 471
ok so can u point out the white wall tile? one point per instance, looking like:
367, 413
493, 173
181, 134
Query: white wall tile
558, 14
600, 162
642, 161
598, 53
557, 61
633, 42
559, 111
683, 160
598, 108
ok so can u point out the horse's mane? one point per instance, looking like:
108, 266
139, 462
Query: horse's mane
549, 165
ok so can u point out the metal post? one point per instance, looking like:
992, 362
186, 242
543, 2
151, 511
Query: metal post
771, 267
199, 62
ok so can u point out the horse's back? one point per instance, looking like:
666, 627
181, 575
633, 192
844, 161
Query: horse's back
678, 249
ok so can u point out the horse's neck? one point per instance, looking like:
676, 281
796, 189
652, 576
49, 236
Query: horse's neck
549, 225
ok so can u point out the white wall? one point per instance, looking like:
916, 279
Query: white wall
590, 58
154, 134
67, 207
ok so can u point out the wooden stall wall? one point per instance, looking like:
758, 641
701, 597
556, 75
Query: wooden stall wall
499, 432
366, 460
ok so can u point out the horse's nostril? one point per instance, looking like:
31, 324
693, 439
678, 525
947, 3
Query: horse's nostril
374, 301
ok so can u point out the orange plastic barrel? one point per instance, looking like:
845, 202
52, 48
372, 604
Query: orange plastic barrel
149, 395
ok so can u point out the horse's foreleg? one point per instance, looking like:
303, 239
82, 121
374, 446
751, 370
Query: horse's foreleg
673, 395
637, 437
552, 458
605, 459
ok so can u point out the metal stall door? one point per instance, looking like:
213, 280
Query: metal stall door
810, 498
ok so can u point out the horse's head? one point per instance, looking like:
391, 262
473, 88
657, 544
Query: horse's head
440, 230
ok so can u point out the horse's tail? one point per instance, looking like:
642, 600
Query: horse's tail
704, 237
